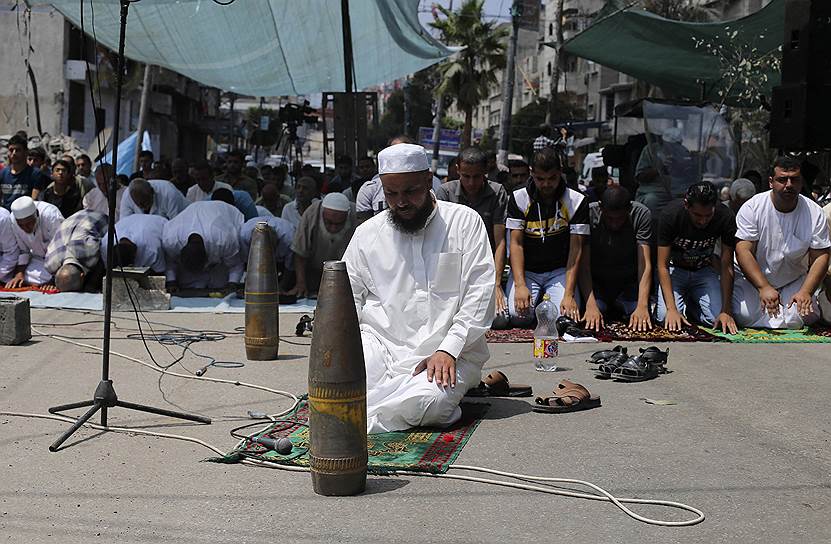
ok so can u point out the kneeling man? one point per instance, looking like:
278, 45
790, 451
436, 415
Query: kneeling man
782, 253
422, 275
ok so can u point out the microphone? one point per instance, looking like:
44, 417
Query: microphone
283, 446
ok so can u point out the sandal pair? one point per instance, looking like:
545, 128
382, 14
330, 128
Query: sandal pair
617, 365
568, 397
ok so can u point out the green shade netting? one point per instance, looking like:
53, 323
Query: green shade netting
663, 52
266, 47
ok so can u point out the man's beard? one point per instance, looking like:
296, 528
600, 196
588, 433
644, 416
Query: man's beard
415, 223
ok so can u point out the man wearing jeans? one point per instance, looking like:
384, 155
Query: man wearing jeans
690, 285
548, 223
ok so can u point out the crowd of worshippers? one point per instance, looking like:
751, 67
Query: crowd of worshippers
753, 260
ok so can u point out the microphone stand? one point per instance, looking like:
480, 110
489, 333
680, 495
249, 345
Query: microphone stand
104, 396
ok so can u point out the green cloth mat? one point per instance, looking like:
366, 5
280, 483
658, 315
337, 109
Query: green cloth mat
805, 335
420, 449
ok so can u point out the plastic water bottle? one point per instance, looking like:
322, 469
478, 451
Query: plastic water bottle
546, 350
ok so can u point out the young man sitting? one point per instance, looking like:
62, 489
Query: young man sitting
548, 223
690, 284
616, 268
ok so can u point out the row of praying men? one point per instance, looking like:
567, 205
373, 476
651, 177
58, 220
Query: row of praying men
197, 241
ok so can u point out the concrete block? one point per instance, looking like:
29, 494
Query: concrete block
148, 293
15, 321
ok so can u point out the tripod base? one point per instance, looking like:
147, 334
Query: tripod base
104, 399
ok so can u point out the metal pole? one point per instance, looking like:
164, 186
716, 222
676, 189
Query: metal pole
232, 144
111, 197
142, 119
348, 61
437, 133
508, 88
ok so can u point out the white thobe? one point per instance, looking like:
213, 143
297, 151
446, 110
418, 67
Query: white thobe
291, 214
262, 211
96, 201
218, 223
783, 241
285, 237
417, 294
8, 247
196, 194
145, 231
168, 201
32, 245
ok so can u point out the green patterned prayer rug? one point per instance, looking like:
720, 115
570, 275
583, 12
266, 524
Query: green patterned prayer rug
805, 335
421, 449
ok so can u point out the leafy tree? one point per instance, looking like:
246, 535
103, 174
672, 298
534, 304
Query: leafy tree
469, 75
420, 92
525, 124
682, 10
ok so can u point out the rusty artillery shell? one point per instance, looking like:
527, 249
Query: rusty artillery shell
262, 300
337, 389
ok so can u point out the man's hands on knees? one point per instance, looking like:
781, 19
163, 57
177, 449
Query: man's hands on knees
522, 299
803, 301
441, 366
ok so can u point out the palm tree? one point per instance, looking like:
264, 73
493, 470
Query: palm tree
469, 75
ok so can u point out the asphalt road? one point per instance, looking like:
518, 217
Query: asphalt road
747, 443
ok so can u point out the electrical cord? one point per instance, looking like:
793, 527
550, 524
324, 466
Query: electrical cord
603, 494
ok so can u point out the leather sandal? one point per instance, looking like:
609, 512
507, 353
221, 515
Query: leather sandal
599, 357
568, 397
646, 366
496, 384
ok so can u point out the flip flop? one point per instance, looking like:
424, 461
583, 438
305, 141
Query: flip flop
568, 397
496, 384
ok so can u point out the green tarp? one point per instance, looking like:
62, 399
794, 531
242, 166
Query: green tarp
266, 47
664, 53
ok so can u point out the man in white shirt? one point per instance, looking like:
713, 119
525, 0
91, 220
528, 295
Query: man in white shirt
201, 246
305, 190
154, 197
96, 199
139, 242
422, 276
782, 254
205, 183
34, 226
8, 247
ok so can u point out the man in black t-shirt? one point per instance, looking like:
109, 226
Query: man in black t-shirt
690, 284
548, 223
63, 192
616, 268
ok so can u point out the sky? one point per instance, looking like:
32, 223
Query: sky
494, 9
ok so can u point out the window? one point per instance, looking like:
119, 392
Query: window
549, 69
610, 106
550, 29
77, 106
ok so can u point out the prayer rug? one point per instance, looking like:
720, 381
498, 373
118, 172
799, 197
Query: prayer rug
614, 332
46, 289
817, 334
420, 449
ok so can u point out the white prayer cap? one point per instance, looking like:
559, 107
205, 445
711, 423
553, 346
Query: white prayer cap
337, 202
23, 207
401, 158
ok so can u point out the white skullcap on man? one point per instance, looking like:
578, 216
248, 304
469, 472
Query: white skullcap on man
23, 207
337, 202
402, 158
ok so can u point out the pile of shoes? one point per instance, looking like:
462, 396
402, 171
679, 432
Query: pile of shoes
617, 364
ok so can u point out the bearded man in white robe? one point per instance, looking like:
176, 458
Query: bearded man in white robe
422, 276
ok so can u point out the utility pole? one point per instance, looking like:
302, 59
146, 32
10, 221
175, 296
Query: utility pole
232, 139
407, 106
555, 76
508, 87
142, 119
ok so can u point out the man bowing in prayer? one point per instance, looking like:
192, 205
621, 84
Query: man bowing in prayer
422, 276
